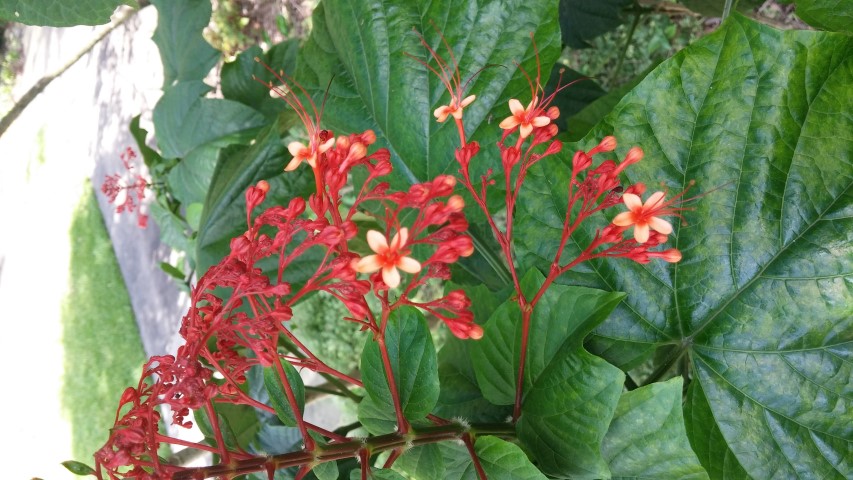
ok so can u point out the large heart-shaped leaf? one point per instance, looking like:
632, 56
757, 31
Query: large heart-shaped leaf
646, 438
60, 13
834, 15
184, 52
762, 301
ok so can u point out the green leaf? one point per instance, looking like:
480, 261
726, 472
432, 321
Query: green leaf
278, 397
78, 468
184, 121
413, 361
460, 395
184, 52
562, 318
149, 155
326, 471
189, 180
566, 414
581, 21
173, 271
424, 461
172, 227
646, 438
761, 302
502, 460
706, 439
377, 474
832, 15
376, 417
714, 8
579, 124
60, 13
238, 423
241, 79
582, 92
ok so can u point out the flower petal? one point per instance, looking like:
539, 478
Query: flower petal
377, 241
368, 264
409, 265
525, 130
326, 145
632, 201
509, 122
515, 107
400, 239
624, 219
441, 113
467, 101
654, 200
293, 164
391, 276
660, 225
296, 149
541, 121
641, 233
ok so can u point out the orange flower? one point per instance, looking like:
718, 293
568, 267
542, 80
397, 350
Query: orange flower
645, 215
526, 117
388, 257
454, 109
308, 154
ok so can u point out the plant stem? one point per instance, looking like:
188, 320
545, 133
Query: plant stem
338, 451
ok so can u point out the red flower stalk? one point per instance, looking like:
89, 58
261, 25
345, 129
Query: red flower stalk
127, 190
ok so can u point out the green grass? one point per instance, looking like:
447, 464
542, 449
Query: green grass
103, 351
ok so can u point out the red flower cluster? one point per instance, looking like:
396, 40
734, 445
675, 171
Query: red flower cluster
240, 312
127, 191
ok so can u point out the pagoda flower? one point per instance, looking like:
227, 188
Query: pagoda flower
302, 153
645, 216
526, 118
387, 257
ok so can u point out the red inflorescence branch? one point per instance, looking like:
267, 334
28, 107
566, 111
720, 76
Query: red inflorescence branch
127, 190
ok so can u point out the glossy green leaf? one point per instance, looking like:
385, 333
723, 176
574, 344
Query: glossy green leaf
60, 13
502, 460
832, 15
460, 395
150, 156
185, 121
376, 417
173, 230
278, 396
566, 413
326, 471
413, 361
184, 52
78, 468
423, 461
377, 474
579, 92
646, 438
241, 79
581, 20
761, 301
562, 318
714, 8
224, 214
706, 439
189, 180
